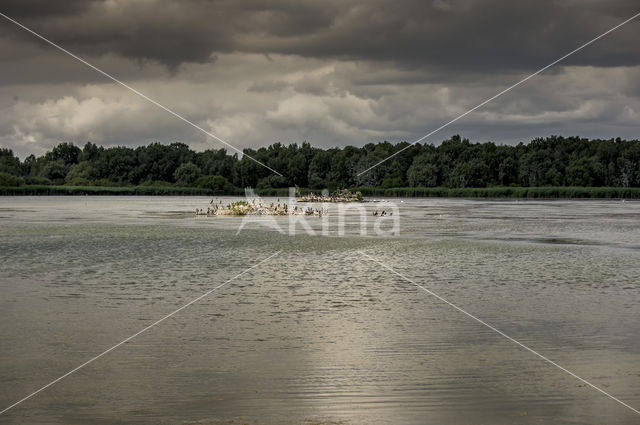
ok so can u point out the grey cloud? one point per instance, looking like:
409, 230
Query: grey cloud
268, 86
44, 8
456, 35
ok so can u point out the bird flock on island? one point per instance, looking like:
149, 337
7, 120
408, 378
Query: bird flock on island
254, 207
257, 207
241, 208
344, 195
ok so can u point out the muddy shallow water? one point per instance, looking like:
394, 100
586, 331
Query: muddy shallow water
319, 333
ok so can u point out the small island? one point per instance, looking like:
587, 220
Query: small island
257, 207
343, 195
243, 208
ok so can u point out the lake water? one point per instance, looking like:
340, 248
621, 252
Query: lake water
319, 334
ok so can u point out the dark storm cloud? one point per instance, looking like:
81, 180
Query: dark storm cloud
457, 36
464, 36
168, 32
43, 8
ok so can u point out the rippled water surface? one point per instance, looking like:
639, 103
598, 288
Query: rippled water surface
319, 334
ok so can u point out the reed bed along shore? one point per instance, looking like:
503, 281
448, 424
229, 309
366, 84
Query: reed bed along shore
554, 192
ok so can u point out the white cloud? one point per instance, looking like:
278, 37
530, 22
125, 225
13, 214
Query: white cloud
253, 100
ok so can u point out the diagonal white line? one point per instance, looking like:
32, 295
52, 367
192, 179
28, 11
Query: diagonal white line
142, 95
137, 333
503, 92
496, 330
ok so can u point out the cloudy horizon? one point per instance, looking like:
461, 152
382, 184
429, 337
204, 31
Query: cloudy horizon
331, 73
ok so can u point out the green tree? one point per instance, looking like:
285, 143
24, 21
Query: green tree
56, 171
82, 173
424, 171
67, 153
186, 174
297, 170
456, 162
157, 162
375, 156
9, 180
343, 166
90, 152
28, 164
471, 173
508, 171
272, 181
247, 172
584, 172
119, 165
9, 163
215, 162
392, 179
217, 183
319, 169
450, 153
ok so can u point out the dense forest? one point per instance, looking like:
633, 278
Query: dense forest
455, 163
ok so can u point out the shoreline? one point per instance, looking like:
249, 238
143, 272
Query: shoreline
553, 192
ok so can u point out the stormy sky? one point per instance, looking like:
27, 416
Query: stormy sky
332, 72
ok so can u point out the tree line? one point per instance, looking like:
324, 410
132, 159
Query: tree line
455, 163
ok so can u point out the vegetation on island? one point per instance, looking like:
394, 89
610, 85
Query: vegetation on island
546, 167
342, 195
256, 207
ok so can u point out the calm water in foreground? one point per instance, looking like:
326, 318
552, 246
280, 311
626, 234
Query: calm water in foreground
319, 334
